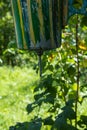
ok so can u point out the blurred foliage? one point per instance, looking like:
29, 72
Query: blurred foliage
6, 25
51, 100
16, 57
53, 107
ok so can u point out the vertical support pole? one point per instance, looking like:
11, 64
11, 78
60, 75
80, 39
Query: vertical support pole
40, 65
39, 53
78, 76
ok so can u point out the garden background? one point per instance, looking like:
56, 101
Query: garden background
57, 100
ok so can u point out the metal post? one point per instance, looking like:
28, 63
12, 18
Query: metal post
40, 65
40, 52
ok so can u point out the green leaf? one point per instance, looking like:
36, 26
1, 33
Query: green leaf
77, 4
27, 126
84, 21
71, 70
48, 121
60, 124
29, 108
69, 113
84, 119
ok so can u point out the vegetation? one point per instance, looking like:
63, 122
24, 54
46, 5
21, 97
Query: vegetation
16, 91
58, 100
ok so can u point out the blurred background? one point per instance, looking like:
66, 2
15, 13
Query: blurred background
28, 102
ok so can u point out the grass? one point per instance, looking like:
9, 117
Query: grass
16, 91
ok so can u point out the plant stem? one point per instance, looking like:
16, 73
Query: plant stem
63, 93
78, 76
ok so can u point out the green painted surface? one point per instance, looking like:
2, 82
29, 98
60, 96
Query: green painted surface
17, 23
38, 24
35, 20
